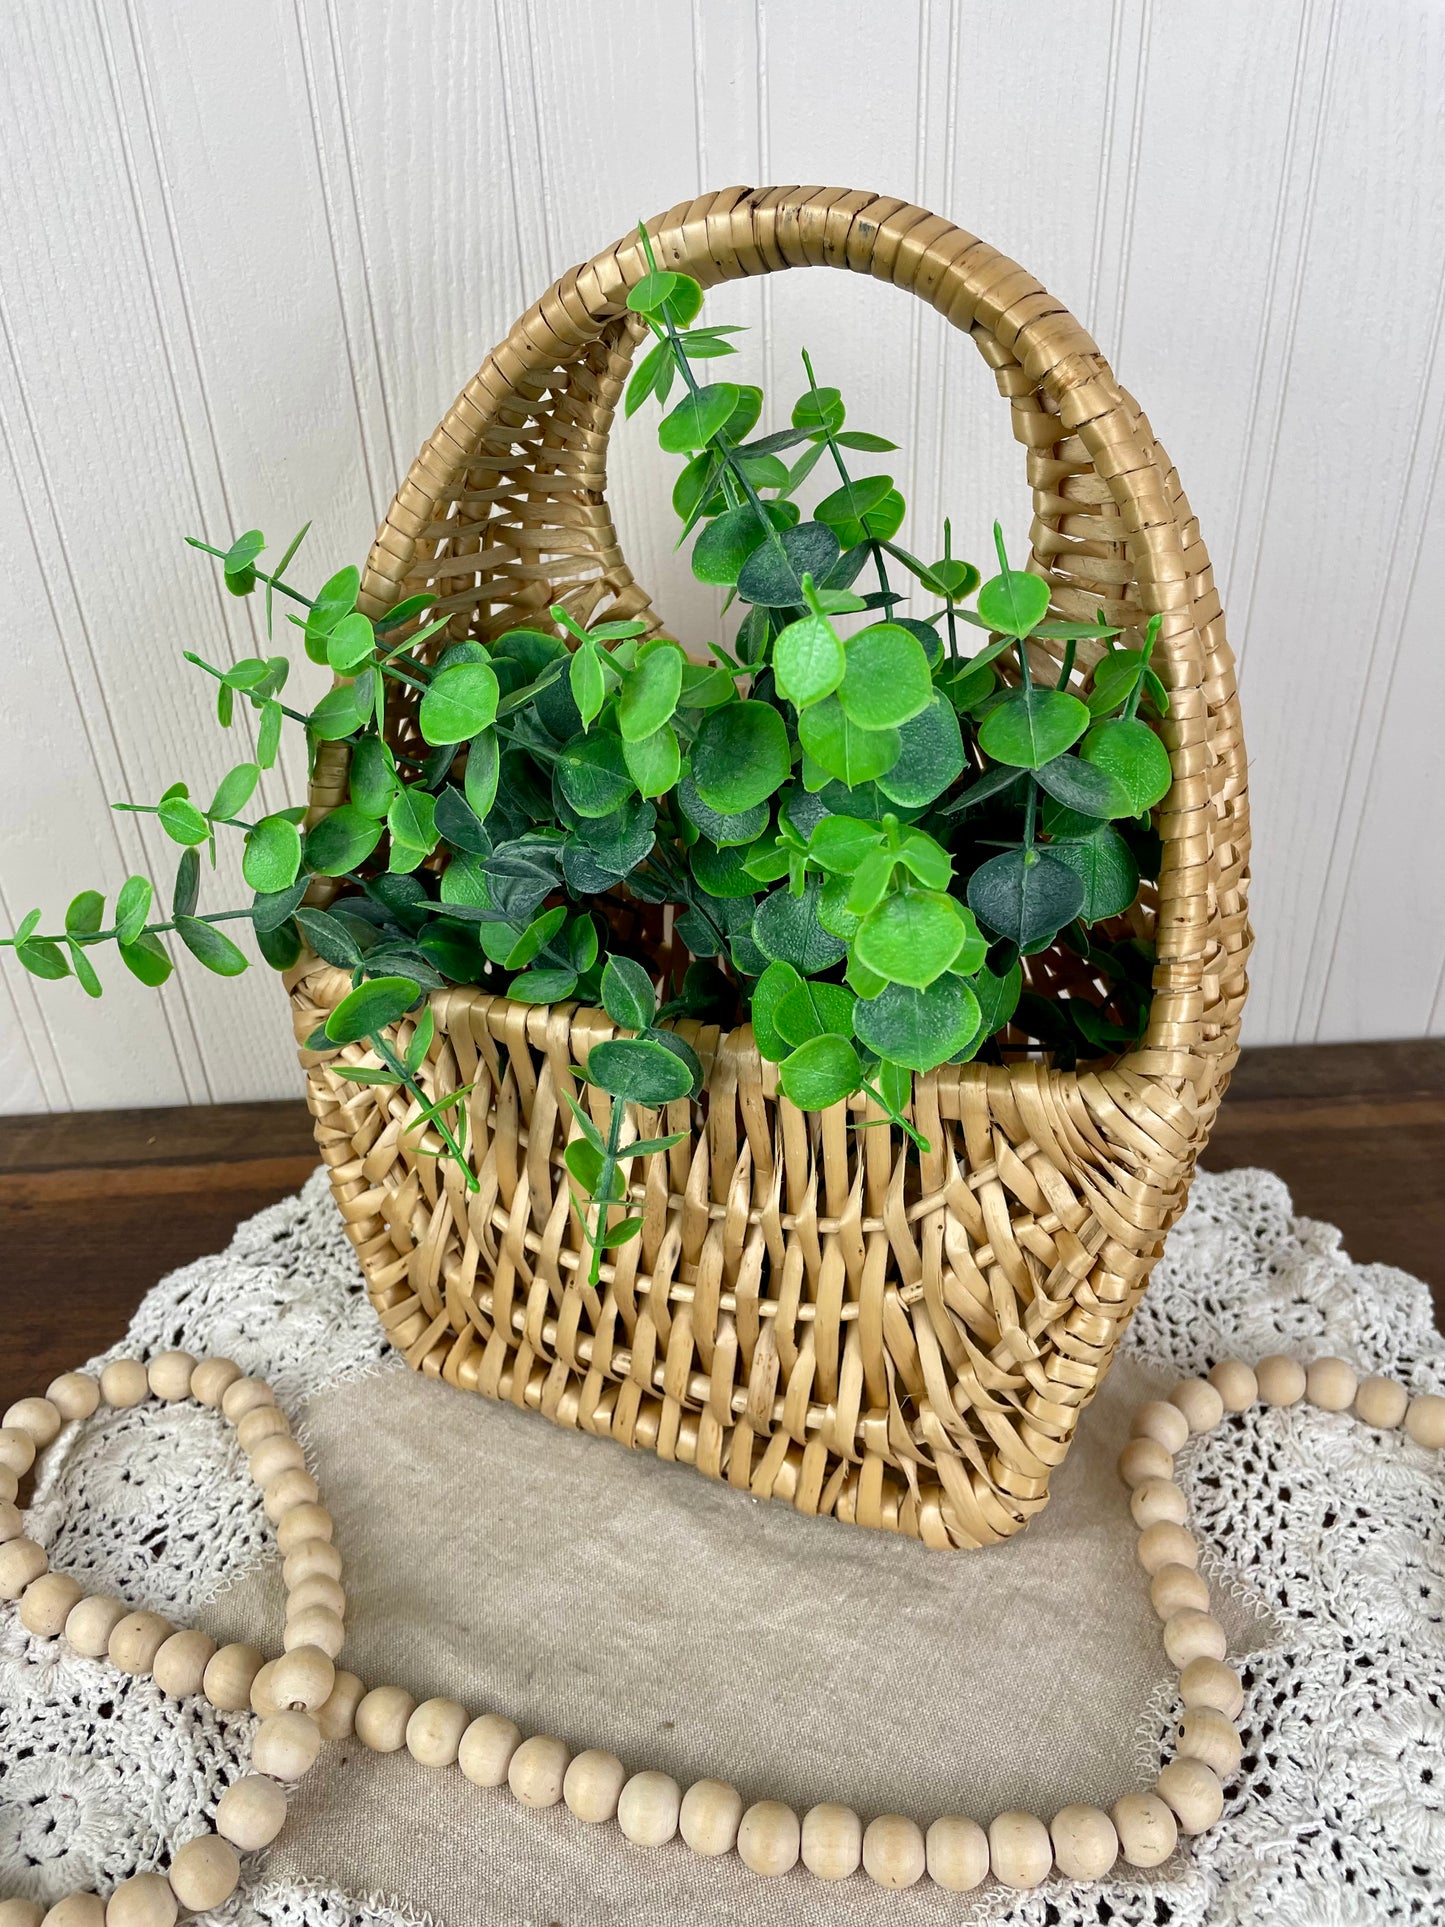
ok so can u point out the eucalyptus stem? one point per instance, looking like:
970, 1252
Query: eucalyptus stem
604, 1184
272, 581
874, 546
85, 940
394, 1064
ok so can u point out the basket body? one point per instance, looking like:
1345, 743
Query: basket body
808, 1313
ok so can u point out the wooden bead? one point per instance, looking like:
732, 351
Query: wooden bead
315, 1626
957, 1853
123, 1383
169, 1375
293, 1487
1086, 1844
145, 1900
1178, 1589
273, 1456
592, 1784
1148, 1832
1203, 1408
227, 1679
1425, 1420
303, 1522
536, 1771
381, 1717
1331, 1384
894, 1853
266, 1422
709, 1815
243, 1395
136, 1640
1144, 1459
12, 1523
21, 1913
1194, 1793
770, 1837
263, 1692
1235, 1383
1158, 1419
251, 1812
486, 1749
47, 1603
38, 1417
337, 1718
832, 1841
76, 1910
213, 1378
304, 1677
1209, 1682
1193, 1635
1281, 1380
75, 1395
434, 1732
1158, 1499
9, 1485
1166, 1544
286, 1745
1205, 1734
205, 1872
1382, 1403
181, 1663
17, 1450
21, 1564
310, 1558
318, 1591
1020, 1851
91, 1623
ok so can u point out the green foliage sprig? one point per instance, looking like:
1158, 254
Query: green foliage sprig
860, 836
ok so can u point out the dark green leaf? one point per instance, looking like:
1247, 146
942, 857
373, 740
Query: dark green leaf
208, 946
280, 947
1083, 788
776, 983
822, 1073
680, 1049
997, 996
930, 757
721, 827
740, 757
187, 885
919, 1029
270, 910
1031, 727
272, 855
593, 775
773, 574
329, 938
458, 825
721, 872
786, 929
726, 543
43, 958
371, 1007
340, 841
813, 1010
628, 996
1025, 895
639, 1070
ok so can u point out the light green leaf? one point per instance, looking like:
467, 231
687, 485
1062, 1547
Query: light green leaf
697, 418
371, 1007
460, 703
919, 1028
628, 995
235, 790
272, 854
85, 914
654, 762
1014, 603
913, 937
208, 946
650, 692
808, 660
844, 748
740, 757
132, 907
822, 1073
147, 960
887, 679
1030, 727
340, 841
777, 982
1133, 755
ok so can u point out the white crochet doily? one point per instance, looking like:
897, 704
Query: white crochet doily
1336, 1816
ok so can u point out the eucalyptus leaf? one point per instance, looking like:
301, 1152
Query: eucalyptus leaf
844, 748
1032, 726
460, 703
628, 995
342, 839
1025, 895
786, 929
650, 692
639, 1071
808, 660
823, 1072
920, 1028
210, 947
1133, 755
654, 762
930, 757
272, 854
740, 757
772, 576
1105, 867
887, 680
913, 936
697, 418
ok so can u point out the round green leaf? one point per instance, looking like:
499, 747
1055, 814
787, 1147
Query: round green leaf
654, 762
43, 959
844, 748
1025, 895
342, 839
772, 576
272, 855
677, 297
551, 986
335, 599
1083, 788
841, 843
833, 911
930, 757
146, 959
822, 1073
208, 946
342, 711
182, 821
1013, 603
83, 918
721, 872
725, 543
741, 756
132, 907
696, 419
594, 776
722, 827
786, 929
370, 1007
1133, 755
813, 1010
919, 1029
1030, 727
1105, 866
886, 680
650, 692
844, 510
458, 825
350, 643
769, 992
371, 778
464, 881
639, 1070
460, 702
997, 996
412, 818
482, 772
628, 995
235, 790
913, 936
808, 661
280, 947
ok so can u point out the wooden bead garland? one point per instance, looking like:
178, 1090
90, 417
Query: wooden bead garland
304, 1699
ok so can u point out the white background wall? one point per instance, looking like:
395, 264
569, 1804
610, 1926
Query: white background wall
248, 253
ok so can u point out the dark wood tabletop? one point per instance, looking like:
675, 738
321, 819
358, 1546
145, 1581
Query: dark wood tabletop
95, 1208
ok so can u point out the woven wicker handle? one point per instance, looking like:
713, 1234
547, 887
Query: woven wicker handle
504, 511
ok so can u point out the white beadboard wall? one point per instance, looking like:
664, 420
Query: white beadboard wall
247, 257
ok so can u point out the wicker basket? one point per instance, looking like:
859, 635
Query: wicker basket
809, 1313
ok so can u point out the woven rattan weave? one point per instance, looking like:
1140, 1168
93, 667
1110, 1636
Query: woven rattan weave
810, 1312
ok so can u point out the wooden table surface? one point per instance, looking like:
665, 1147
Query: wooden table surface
94, 1209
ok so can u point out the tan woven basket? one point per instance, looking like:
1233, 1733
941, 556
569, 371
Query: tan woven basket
808, 1313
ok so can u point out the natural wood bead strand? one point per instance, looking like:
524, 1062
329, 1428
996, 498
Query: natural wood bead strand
315, 1626
145, 1900
1381, 1403
592, 1784
1158, 1499
1166, 1544
1086, 1844
291, 1488
709, 1815
9, 1485
37, 1416
243, 1395
1193, 1635
648, 1808
1193, 1792
228, 1677
285, 1746
434, 1732
1144, 1460
263, 1695
265, 1422
48, 1602
274, 1455
318, 1590
204, 1872
337, 1718
304, 1677
1209, 1682
310, 1559
957, 1853
124, 1383
381, 1718
136, 1641
1425, 1420
1331, 1384
894, 1853
251, 1812
212, 1378
1201, 1403
1020, 1851
91, 1623
1206, 1734
12, 1521
303, 1522
21, 1564
1148, 1832
169, 1375
1177, 1589
770, 1837
832, 1841
17, 1450
536, 1771
76, 1910
180, 1663
1159, 1420
1281, 1380
486, 1747
75, 1395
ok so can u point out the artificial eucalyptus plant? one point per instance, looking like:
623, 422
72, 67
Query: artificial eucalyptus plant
859, 835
